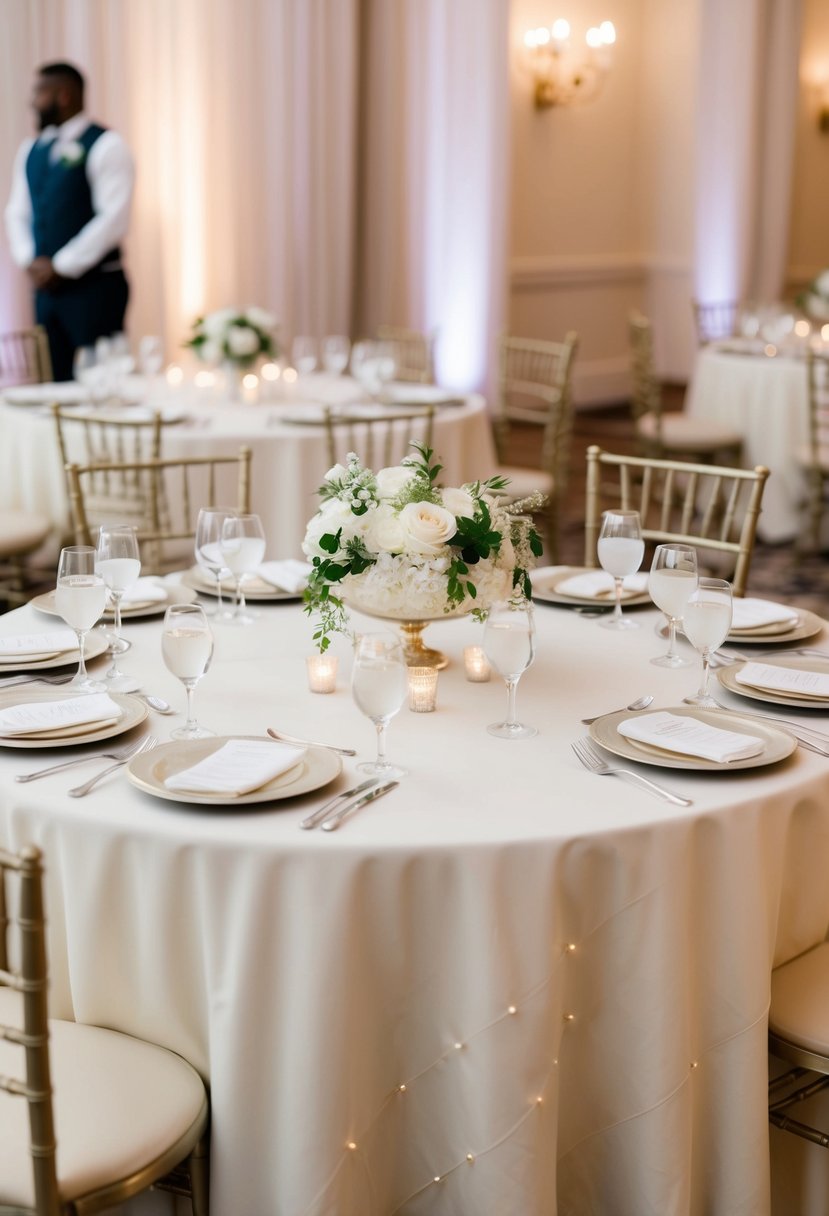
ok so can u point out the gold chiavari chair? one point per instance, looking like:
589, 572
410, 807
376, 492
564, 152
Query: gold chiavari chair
799, 1034
380, 440
24, 357
21, 534
814, 458
715, 320
414, 353
711, 507
172, 491
534, 386
88, 1116
671, 434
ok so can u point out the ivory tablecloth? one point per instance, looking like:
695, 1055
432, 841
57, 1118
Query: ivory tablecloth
569, 977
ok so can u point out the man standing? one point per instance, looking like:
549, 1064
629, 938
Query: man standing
67, 213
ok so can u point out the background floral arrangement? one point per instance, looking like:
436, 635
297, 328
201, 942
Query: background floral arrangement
231, 336
815, 299
403, 546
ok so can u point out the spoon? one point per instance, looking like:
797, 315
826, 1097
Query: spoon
157, 703
639, 703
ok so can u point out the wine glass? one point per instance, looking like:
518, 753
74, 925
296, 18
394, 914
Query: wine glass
706, 621
379, 685
187, 649
150, 355
336, 349
620, 550
386, 364
509, 644
304, 355
364, 364
208, 550
242, 547
672, 579
119, 564
80, 598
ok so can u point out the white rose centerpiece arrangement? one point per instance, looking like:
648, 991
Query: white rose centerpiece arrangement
397, 545
815, 299
233, 336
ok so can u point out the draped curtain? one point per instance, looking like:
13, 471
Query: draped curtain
339, 162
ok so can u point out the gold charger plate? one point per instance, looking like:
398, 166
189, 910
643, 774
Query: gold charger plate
95, 645
808, 624
133, 713
175, 595
546, 580
149, 771
778, 744
256, 589
727, 676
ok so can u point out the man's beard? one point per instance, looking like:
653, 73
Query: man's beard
47, 118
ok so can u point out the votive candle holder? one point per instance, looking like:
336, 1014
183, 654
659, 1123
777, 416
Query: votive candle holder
423, 689
322, 672
476, 664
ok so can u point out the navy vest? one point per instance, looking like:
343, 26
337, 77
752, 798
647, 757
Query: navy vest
61, 197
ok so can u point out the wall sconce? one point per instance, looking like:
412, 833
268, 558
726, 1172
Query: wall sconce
564, 74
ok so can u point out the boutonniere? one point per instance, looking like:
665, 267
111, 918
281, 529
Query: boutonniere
72, 154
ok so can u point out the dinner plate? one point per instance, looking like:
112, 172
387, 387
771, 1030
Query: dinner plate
546, 580
65, 393
175, 595
727, 676
95, 645
809, 624
254, 589
149, 771
777, 743
133, 712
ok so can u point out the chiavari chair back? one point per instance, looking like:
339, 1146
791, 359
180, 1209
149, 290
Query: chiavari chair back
24, 357
414, 353
814, 458
715, 319
380, 440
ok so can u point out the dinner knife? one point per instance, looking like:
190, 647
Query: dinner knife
336, 817
318, 815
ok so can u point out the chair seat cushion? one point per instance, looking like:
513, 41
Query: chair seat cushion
684, 433
21, 532
799, 1009
525, 481
119, 1104
804, 457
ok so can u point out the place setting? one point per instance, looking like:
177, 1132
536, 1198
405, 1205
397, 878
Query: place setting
230, 561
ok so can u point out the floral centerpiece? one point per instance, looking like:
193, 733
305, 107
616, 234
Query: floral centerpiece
814, 301
234, 337
397, 545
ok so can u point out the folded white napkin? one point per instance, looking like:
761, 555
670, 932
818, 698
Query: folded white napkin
689, 737
289, 575
35, 716
754, 614
239, 766
599, 585
20, 645
784, 679
144, 591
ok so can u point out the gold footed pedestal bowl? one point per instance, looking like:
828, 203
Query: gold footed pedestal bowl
415, 652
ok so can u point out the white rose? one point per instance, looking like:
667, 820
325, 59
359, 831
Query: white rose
209, 351
391, 481
331, 517
242, 341
261, 318
459, 502
215, 323
427, 527
822, 283
336, 472
386, 533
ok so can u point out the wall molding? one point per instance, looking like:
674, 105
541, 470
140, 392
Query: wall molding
556, 271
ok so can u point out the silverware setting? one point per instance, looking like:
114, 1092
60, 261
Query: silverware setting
815, 739
120, 754
146, 746
587, 753
639, 703
316, 817
283, 738
335, 819
11, 681
725, 658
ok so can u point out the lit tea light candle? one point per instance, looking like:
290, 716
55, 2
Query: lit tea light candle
174, 375
476, 664
322, 672
204, 379
423, 689
250, 384
270, 371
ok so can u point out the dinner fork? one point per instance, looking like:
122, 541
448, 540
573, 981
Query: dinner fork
120, 754
11, 681
147, 746
590, 758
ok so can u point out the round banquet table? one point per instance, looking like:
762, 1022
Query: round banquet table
766, 399
547, 990
289, 456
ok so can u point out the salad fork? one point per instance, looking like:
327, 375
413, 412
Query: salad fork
147, 746
590, 758
121, 754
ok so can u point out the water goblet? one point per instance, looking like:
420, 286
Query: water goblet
509, 644
304, 355
187, 649
336, 349
379, 686
208, 551
119, 564
620, 551
242, 547
707, 620
364, 367
672, 580
80, 598
150, 355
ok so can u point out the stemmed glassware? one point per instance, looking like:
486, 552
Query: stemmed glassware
304, 355
150, 355
672, 580
80, 598
119, 564
208, 550
379, 685
336, 349
620, 550
242, 547
707, 620
509, 644
187, 649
